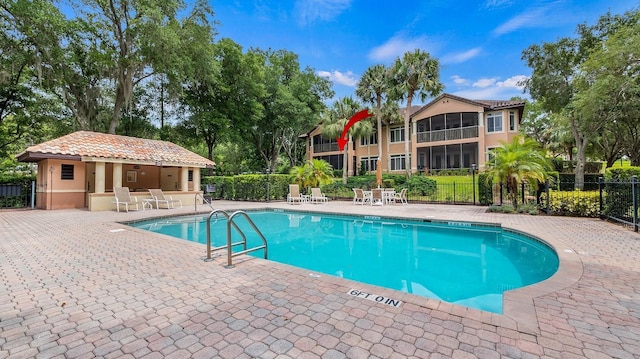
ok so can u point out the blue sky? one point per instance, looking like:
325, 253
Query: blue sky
478, 43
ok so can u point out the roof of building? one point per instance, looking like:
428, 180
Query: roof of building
403, 110
90, 146
487, 104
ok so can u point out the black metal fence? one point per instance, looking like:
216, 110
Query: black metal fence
17, 195
619, 201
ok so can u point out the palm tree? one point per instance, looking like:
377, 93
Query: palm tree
335, 122
415, 72
300, 175
372, 88
313, 173
320, 172
521, 160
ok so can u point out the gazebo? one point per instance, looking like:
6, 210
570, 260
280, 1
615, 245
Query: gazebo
81, 169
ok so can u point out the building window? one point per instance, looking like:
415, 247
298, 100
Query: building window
372, 140
397, 134
190, 175
494, 122
398, 162
512, 121
66, 172
369, 163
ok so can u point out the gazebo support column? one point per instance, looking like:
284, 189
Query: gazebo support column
184, 179
100, 177
196, 178
117, 175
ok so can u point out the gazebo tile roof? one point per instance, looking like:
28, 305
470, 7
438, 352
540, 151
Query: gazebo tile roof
115, 147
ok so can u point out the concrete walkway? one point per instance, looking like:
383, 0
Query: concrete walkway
77, 284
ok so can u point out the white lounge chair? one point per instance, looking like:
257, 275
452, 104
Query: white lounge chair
317, 196
294, 194
165, 201
125, 200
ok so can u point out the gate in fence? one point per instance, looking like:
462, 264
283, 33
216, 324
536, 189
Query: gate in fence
17, 195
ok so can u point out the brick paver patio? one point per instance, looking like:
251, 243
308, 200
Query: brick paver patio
77, 284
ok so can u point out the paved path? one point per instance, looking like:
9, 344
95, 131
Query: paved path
77, 284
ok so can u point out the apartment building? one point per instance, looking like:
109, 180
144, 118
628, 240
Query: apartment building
450, 132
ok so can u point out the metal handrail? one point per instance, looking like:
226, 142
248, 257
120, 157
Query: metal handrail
229, 253
204, 200
230, 245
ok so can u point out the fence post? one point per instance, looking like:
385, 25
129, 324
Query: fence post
33, 194
600, 188
634, 187
522, 189
546, 189
454, 192
501, 193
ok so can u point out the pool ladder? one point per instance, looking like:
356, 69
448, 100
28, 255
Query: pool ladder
229, 246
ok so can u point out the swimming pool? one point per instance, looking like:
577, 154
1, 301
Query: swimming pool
458, 262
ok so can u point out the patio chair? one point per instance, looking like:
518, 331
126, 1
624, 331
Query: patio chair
161, 200
376, 197
294, 194
402, 196
317, 196
359, 196
124, 199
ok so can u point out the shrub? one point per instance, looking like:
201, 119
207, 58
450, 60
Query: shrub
485, 189
505, 208
574, 203
421, 186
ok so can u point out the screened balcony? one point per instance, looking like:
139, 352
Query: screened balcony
446, 127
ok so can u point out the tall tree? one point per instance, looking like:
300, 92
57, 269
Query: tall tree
140, 38
372, 88
335, 121
557, 68
609, 88
26, 104
291, 104
416, 73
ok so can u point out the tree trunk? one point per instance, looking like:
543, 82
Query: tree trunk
117, 108
379, 125
345, 160
407, 160
581, 155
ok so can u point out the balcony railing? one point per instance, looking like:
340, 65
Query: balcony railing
448, 134
325, 147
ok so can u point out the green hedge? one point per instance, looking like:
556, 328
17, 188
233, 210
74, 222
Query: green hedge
573, 203
251, 187
485, 189
621, 174
562, 166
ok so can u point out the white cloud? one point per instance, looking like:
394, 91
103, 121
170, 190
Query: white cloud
482, 83
492, 89
459, 80
512, 82
530, 18
308, 11
461, 56
348, 78
396, 47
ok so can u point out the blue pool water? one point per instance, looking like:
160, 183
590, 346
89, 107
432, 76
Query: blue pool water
458, 262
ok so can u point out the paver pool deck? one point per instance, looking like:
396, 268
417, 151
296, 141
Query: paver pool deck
78, 284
